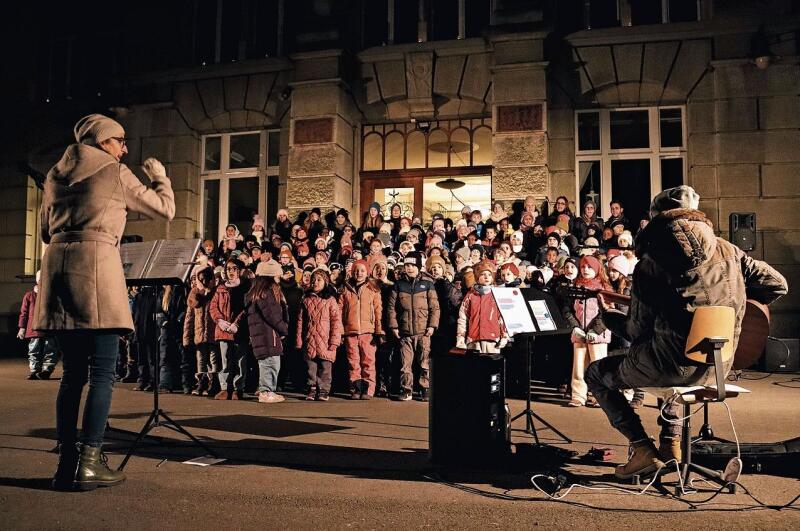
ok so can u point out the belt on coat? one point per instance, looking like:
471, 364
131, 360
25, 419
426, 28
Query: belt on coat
83, 236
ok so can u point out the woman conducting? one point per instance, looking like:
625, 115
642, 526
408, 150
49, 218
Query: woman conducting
84, 300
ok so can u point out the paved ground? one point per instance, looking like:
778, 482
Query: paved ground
343, 464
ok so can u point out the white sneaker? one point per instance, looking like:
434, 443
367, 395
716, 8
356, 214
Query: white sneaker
268, 397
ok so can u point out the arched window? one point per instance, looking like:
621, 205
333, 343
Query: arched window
482, 154
438, 146
415, 150
460, 148
394, 151
373, 152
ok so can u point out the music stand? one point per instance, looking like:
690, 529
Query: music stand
152, 265
557, 326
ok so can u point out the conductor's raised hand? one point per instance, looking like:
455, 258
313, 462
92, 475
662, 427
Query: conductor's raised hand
154, 169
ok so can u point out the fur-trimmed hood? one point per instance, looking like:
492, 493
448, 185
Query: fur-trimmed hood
679, 240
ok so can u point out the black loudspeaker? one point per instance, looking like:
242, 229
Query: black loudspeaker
468, 420
742, 229
781, 355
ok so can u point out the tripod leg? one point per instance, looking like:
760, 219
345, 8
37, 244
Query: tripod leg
551, 427
177, 427
147, 427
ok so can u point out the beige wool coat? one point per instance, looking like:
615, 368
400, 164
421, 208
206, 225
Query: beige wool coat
87, 197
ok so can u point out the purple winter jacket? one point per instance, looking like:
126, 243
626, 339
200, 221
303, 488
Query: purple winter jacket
268, 321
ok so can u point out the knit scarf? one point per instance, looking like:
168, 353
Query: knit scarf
480, 289
591, 283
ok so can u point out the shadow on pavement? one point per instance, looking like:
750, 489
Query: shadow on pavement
27, 483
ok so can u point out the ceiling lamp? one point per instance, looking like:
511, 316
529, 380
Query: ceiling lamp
450, 184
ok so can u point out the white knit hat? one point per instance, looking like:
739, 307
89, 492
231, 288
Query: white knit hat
621, 264
270, 268
96, 128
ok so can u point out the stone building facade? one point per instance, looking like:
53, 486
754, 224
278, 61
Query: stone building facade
555, 96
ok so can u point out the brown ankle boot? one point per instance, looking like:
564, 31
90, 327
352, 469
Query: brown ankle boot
644, 460
669, 448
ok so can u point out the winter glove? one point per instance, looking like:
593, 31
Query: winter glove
223, 324
502, 343
233, 328
578, 335
592, 337
154, 169
461, 342
21, 333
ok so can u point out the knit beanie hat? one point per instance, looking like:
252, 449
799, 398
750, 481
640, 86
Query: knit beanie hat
627, 236
483, 265
414, 258
679, 197
463, 252
342, 212
376, 206
96, 128
435, 260
363, 263
620, 263
269, 269
510, 266
258, 220
592, 262
555, 235
377, 259
562, 224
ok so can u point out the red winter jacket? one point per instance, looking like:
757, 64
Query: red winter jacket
479, 318
26, 314
228, 305
319, 326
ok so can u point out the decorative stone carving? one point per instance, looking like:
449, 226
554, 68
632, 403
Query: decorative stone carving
519, 118
316, 160
419, 81
314, 191
516, 183
313, 131
518, 150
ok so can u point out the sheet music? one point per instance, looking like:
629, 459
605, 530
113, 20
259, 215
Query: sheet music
544, 320
170, 259
512, 307
135, 257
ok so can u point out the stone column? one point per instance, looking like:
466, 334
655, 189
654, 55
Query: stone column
519, 112
322, 164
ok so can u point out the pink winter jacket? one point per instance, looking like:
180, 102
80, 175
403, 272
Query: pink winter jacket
319, 326
594, 321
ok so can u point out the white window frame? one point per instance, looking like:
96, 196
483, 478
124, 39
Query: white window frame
606, 155
225, 175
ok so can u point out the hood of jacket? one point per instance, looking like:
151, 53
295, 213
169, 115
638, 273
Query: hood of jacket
679, 240
79, 162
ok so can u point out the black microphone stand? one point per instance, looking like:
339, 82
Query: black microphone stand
157, 414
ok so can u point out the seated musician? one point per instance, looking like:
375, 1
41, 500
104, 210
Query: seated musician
683, 265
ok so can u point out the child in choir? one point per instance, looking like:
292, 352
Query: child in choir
319, 334
480, 325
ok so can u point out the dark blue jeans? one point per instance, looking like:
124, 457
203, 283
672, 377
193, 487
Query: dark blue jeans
87, 356
640, 368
